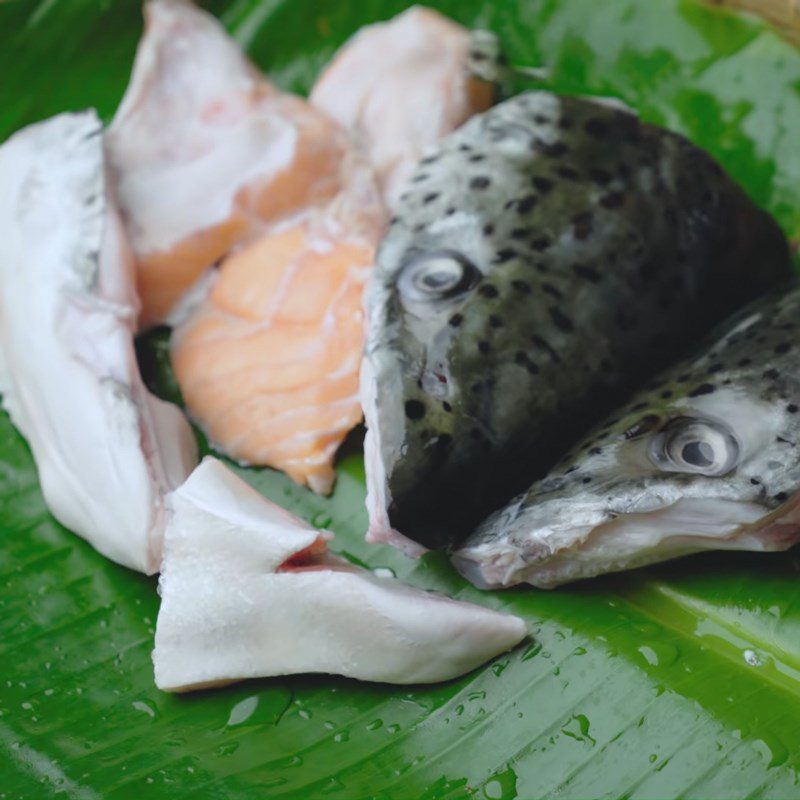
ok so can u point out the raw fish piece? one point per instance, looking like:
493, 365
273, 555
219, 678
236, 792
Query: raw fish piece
107, 450
550, 254
705, 458
205, 149
401, 85
268, 365
248, 591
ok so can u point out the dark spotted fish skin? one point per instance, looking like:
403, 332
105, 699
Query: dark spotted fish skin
745, 379
599, 247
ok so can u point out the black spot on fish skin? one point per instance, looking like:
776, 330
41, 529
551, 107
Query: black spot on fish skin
541, 244
568, 173
596, 451
544, 185
582, 225
792, 408
612, 200
495, 321
419, 177
429, 198
587, 479
506, 254
526, 204
782, 348
561, 320
548, 288
488, 291
455, 320
703, 388
523, 360
415, 409
464, 147
755, 481
488, 230
639, 407
521, 233
781, 496
600, 176
480, 182
543, 344
625, 320
483, 347
596, 127
587, 273
771, 374
666, 394
550, 149
443, 441
477, 157
430, 159
521, 287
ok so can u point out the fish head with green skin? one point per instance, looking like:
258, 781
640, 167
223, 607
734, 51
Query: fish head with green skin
707, 457
542, 259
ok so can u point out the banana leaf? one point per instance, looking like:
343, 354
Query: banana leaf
678, 681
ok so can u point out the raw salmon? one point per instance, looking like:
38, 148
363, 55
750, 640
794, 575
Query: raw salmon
402, 85
268, 364
205, 151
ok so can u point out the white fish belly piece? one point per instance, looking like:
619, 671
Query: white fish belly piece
107, 451
248, 591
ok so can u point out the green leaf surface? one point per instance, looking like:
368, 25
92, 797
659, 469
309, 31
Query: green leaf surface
681, 681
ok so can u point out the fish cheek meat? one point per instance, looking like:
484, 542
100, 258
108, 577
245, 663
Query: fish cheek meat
545, 258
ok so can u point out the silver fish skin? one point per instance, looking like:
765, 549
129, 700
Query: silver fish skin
545, 259
706, 457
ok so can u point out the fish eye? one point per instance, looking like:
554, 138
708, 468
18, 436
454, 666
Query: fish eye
697, 446
435, 276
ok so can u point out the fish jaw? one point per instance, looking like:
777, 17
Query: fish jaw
241, 576
546, 549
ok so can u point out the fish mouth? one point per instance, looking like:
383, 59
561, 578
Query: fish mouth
547, 556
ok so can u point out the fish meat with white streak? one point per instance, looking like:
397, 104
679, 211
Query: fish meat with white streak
106, 450
206, 151
545, 259
706, 457
402, 85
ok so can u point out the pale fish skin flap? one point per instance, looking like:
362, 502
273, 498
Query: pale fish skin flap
248, 590
107, 451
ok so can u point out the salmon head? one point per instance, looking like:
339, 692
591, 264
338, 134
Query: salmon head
707, 457
543, 258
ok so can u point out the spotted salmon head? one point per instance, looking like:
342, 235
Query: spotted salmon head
543, 259
707, 457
